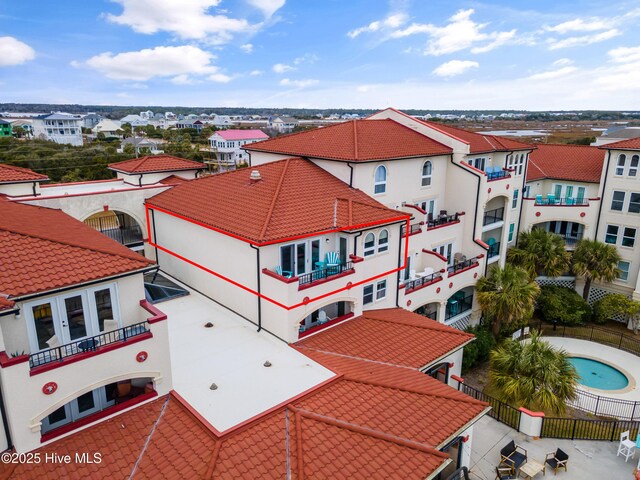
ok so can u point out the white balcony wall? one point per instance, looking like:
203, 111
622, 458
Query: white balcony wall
138, 179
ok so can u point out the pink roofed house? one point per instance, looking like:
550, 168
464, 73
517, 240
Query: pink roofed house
228, 144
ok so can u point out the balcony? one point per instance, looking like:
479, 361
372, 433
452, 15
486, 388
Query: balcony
493, 216
422, 281
414, 229
316, 277
496, 174
494, 250
458, 306
561, 202
119, 227
89, 345
462, 265
571, 240
442, 220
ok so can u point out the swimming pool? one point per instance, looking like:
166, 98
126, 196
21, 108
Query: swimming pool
598, 375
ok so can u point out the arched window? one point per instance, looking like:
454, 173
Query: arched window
369, 244
622, 160
426, 174
380, 180
633, 166
383, 241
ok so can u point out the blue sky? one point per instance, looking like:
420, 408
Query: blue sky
323, 54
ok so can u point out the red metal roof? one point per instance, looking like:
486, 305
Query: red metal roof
357, 140
232, 134
294, 197
44, 249
631, 144
13, 174
578, 163
155, 163
394, 336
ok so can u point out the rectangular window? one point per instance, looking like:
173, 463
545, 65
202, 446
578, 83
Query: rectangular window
514, 202
558, 192
634, 203
633, 166
628, 237
612, 234
367, 294
581, 191
381, 290
617, 203
512, 228
568, 192
623, 270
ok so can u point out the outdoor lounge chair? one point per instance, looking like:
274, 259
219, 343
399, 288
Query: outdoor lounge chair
332, 262
513, 455
505, 473
283, 273
556, 460
539, 200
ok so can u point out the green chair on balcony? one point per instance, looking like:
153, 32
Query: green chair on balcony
539, 200
283, 273
332, 262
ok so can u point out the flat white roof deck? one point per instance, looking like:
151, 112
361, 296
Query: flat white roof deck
231, 354
84, 188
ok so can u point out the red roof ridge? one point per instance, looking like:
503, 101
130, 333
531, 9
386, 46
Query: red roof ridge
404, 442
538, 167
267, 219
355, 139
429, 124
435, 326
297, 346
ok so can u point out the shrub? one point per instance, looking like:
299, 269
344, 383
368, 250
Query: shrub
477, 351
563, 305
613, 305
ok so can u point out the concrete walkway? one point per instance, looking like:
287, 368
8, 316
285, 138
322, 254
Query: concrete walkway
588, 460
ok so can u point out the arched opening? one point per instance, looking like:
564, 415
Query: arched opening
324, 317
571, 232
430, 310
119, 226
458, 308
97, 402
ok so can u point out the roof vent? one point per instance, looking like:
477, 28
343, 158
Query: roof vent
208, 325
213, 387
255, 176
267, 364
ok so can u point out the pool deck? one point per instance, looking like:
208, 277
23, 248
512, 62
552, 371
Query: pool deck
588, 459
623, 361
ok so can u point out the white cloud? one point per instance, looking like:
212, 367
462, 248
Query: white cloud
625, 54
220, 78
392, 21
256, 73
583, 40
285, 82
247, 48
306, 58
560, 72
563, 61
153, 62
282, 68
581, 25
267, 7
455, 67
183, 79
186, 19
14, 52
501, 38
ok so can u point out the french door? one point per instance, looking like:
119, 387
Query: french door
300, 257
86, 404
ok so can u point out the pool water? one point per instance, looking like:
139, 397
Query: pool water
599, 375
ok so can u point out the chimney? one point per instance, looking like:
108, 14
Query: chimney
255, 176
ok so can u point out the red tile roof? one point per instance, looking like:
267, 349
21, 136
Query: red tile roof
155, 163
6, 304
393, 336
631, 144
578, 163
173, 180
232, 134
294, 197
479, 142
44, 249
357, 140
12, 174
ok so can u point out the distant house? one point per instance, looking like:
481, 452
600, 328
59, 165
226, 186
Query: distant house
151, 145
107, 127
5, 128
26, 125
190, 123
228, 144
617, 133
221, 121
282, 124
91, 119
146, 115
60, 128
135, 120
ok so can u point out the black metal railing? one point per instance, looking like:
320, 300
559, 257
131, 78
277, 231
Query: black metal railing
441, 220
415, 228
458, 307
500, 411
497, 175
578, 429
456, 267
494, 250
118, 227
420, 281
87, 344
493, 216
323, 273
568, 201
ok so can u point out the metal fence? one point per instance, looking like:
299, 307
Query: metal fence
493, 216
455, 268
420, 281
577, 429
323, 273
499, 410
118, 227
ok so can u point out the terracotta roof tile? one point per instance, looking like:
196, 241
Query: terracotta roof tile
6, 304
12, 174
294, 197
394, 336
631, 144
357, 140
44, 249
479, 142
173, 180
579, 163
155, 163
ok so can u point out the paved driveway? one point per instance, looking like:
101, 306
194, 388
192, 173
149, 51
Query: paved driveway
588, 460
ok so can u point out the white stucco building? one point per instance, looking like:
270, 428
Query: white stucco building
60, 128
228, 144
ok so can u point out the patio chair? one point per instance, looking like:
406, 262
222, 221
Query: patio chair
539, 200
551, 199
505, 473
513, 455
626, 447
322, 317
332, 262
556, 460
283, 273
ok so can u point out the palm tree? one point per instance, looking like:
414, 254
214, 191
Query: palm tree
595, 260
540, 252
507, 296
532, 374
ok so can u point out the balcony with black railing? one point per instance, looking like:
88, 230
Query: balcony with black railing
105, 341
442, 220
497, 175
493, 216
414, 229
462, 265
325, 273
494, 250
571, 240
119, 227
551, 200
421, 281
458, 306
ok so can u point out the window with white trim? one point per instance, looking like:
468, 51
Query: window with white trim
514, 202
633, 166
623, 270
612, 234
512, 228
426, 173
369, 244
622, 160
380, 180
383, 241
628, 237
367, 294
617, 202
634, 203
381, 290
